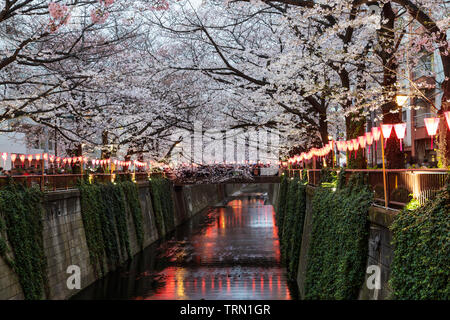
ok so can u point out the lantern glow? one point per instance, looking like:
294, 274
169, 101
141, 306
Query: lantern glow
447, 117
362, 141
386, 129
400, 131
401, 99
369, 140
431, 125
13, 158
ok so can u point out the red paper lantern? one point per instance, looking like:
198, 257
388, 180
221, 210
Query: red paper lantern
447, 117
432, 125
400, 131
52, 158
30, 158
376, 134
22, 159
355, 144
386, 129
362, 141
4, 156
69, 160
38, 157
349, 145
45, 156
58, 159
369, 140
13, 158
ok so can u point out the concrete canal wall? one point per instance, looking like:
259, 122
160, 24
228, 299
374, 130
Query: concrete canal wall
380, 251
65, 240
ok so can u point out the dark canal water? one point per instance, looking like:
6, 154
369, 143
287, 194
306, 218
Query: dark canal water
229, 252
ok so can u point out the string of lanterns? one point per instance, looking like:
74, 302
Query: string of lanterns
369, 138
57, 161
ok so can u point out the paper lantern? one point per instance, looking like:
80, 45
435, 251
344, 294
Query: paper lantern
369, 140
400, 131
38, 157
22, 159
349, 145
432, 125
447, 117
4, 156
376, 134
386, 129
13, 158
344, 146
45, 156
69, 160
52, 158
362, 141
355, 145
30, 158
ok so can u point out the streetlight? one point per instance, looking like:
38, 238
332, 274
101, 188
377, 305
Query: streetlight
401, 99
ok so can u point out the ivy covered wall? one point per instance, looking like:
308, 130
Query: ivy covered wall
21, 239
339, 240
163, 207
106, 210
289, 218
421, 263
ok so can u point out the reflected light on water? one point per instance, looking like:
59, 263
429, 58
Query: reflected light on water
231, 253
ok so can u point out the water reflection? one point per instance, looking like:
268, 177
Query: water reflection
231, 252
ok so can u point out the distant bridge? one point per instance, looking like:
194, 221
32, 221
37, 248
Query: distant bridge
240, 179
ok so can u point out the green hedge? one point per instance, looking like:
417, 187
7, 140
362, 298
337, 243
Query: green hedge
21, 239
290, 217
161, 191
338, 247
421, 263
104, 210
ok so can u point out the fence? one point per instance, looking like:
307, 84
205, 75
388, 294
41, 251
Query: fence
69, 181
401, 184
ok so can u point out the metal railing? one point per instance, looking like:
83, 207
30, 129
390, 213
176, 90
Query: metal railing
402, 184
54, 182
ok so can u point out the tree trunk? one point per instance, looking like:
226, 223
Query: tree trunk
355, 128
393, 156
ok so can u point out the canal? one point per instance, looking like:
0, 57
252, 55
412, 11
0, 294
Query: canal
227, 252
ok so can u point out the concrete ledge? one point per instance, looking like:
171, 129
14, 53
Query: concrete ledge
382, 216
